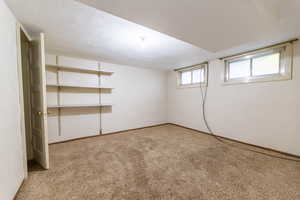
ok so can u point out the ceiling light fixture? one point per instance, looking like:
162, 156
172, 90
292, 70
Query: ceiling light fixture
143, 41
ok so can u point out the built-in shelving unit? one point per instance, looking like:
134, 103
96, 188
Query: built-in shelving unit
77, 69
78, 86
78, 106
61, 66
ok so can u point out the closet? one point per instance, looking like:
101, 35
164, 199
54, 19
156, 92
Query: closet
75, 102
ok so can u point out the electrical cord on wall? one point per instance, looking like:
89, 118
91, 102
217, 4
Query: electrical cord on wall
204, 97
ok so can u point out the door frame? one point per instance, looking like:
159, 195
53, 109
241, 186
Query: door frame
20, 28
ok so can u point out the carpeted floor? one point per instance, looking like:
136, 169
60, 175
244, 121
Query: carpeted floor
164, 163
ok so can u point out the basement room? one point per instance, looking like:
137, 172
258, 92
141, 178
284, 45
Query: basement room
149, 100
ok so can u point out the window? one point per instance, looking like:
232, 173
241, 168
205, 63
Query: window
268, 64
239, 69
263, 65
192, 77
186, 78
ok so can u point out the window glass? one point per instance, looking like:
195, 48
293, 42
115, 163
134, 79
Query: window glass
198, 75
186, 77
265, 65
239, 69
192, 77
273, 63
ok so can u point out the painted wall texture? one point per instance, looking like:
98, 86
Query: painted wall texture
264, 114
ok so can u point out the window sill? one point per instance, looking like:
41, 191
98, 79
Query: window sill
257, 80
191, 86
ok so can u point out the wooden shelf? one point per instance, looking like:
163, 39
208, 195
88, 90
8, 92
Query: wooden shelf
77, 86
75, 69
79, 106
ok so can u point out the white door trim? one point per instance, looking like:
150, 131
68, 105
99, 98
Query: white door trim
20, 28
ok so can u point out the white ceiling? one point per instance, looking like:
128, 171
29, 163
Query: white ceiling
72, 28
214, 25
222, 27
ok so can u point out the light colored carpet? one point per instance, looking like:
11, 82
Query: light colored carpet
165, 163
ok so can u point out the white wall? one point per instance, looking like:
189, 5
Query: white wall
11, 149
138, 99
264, 114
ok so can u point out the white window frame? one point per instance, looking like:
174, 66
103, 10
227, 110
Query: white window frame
191, 69
285, 65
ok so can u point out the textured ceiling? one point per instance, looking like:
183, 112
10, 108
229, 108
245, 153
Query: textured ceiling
214, 25
73, 28
111, 30
210, 24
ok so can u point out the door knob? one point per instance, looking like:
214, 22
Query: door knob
39, 113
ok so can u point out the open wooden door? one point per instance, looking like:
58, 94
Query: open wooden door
38, 102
